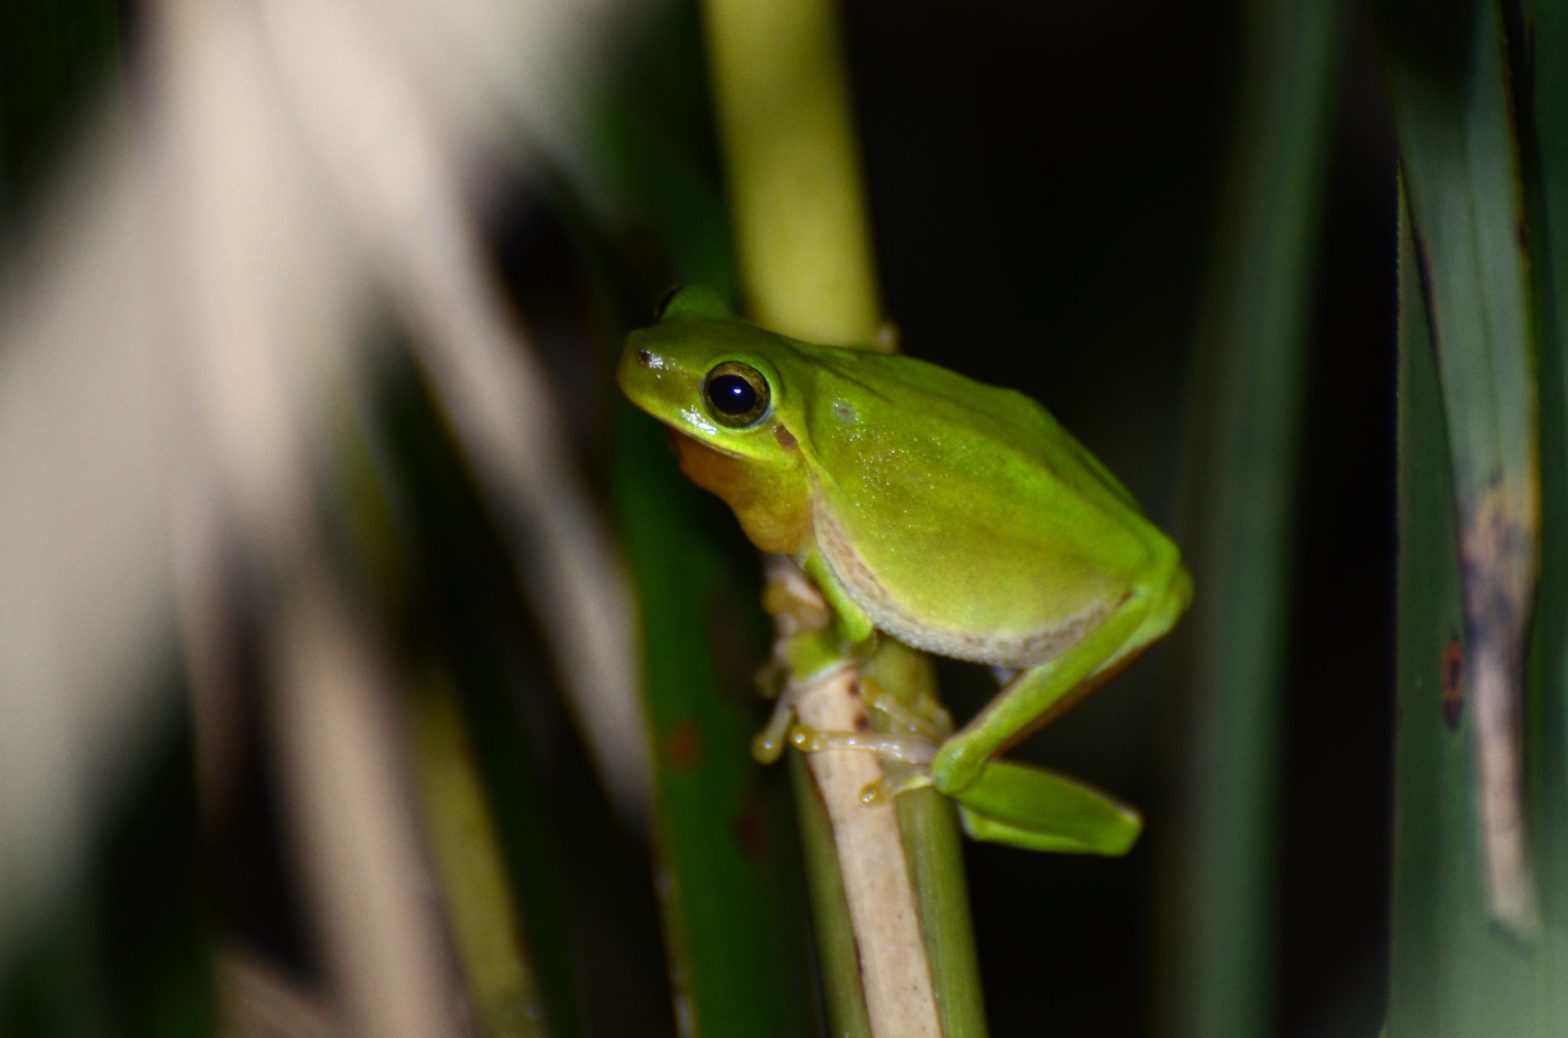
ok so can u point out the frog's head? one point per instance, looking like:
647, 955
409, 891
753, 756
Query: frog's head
717, 381
709, 375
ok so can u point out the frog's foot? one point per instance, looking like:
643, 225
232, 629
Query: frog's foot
905, 749
806, 663
768, 745
901, 778
925, 718
907, 758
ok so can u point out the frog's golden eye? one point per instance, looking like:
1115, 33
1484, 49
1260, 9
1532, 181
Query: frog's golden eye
737, 394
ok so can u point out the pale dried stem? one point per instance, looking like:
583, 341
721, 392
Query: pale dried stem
878, 887
195, 301
374, 135
874, 869
341, 757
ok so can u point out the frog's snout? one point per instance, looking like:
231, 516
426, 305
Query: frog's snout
636, 360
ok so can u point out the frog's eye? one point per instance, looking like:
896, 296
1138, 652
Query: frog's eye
737, 394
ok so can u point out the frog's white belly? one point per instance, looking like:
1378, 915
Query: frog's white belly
1002, 648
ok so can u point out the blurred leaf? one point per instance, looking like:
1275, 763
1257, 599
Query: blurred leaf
52, 54
1246, 405
732, 900
125, 951
730, 892
1452, 971
652, 139
463, 615
471, 869
1451, 107
1542, 98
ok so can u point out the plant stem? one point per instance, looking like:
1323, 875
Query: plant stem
806, 270
801, 230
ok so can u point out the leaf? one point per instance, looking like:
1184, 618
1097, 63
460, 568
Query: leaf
1451, 109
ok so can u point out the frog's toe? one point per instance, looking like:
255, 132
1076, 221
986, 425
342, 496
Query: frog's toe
925, 718
768, 745
902, 748
1040, 810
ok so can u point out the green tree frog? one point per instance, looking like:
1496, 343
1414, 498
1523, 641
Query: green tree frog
955, 517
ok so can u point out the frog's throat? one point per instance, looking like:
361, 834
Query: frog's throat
998, 648
770, 501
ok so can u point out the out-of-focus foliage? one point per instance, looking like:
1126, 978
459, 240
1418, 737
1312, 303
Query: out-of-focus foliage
1254, 334
1479, 884
306, 418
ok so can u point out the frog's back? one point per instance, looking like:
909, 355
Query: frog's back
965, 507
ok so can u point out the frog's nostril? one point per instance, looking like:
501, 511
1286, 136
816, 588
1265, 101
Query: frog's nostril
645, 358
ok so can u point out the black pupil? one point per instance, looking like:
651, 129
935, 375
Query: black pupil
732, 394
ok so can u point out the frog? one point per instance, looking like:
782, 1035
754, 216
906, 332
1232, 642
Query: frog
956, 517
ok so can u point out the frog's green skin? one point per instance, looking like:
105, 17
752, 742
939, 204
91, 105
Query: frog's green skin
956, 517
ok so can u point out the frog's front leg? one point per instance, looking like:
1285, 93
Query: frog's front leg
851, 621
821, 631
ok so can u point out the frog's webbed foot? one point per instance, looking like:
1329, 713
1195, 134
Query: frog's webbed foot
907, 758
904, 749
908, 740
924, 716
913, 742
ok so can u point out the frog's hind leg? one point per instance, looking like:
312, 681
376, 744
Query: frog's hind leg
1038, 695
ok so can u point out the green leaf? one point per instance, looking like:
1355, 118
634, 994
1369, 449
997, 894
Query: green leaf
1451, 107
1452, 972
732, 902
1246, 406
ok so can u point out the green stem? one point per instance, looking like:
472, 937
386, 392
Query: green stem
801, 230
471, 868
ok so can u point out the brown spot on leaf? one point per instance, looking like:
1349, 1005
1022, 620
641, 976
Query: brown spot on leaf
1453, 690
683, 747
1498, 536
751, 829
1497, 555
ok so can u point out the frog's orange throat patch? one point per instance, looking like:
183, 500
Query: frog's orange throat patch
772, 502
